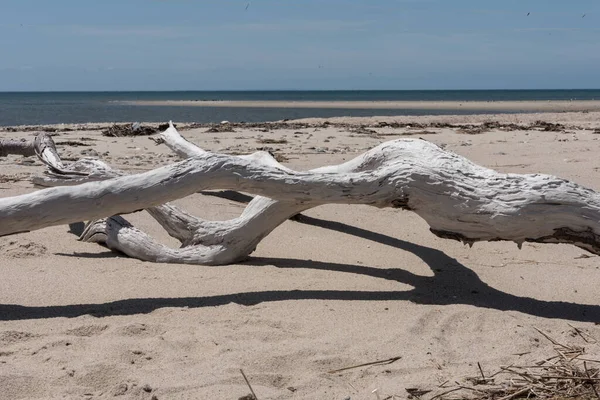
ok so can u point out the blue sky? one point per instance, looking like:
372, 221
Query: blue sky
298, 44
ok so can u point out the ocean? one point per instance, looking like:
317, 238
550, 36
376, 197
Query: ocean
35, 108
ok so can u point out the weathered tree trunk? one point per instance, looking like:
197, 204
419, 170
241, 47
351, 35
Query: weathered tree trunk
458, 199
17, 147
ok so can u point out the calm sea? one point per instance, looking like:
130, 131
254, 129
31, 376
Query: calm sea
32, 108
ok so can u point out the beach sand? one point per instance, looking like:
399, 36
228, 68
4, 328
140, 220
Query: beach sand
493, 106
346, 285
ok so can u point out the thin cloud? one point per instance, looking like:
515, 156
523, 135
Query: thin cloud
113, 30
175, 32
146, 31
303, 26
556, 29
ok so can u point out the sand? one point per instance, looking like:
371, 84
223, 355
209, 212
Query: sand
495, 106
347, 285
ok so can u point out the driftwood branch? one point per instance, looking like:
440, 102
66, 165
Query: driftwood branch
16, 147
458, 199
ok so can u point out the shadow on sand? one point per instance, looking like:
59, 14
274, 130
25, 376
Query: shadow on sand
452, 283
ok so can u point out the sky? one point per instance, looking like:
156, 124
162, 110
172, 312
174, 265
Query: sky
298, 44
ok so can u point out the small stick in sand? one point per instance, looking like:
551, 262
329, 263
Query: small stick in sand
380, 362
515, 394
589, 360
481, 370
583, 335
248, 383
554, 342
587, 372
446, 392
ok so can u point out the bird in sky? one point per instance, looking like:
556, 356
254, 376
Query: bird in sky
528, 14
583, 16
247, 5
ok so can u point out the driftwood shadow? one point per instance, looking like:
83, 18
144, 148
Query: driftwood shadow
452, 283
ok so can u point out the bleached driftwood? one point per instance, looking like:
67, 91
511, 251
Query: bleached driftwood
457, 198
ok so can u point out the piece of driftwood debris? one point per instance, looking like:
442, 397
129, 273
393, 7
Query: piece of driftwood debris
17, 147
457, 198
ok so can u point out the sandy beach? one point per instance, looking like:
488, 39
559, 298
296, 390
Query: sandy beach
513, 106
340, 287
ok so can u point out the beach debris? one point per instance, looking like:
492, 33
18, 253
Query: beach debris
409, 133
378, 362
276, 155
20, 147
165, 126
363, 130
13, 178
35, 128
416, 392
224, 126
476, 129
253, 395
73, 143
296, 125
89, 153
135, 129
547, 126
271, 141
377, 177
567, 374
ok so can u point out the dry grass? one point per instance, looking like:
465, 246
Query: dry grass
565, 375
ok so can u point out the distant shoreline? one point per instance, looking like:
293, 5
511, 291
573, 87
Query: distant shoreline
210, 107
526, 105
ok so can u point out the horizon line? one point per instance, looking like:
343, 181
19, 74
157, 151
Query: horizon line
291, 90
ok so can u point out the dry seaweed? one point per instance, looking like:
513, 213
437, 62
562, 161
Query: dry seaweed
295, 126
363, 130
135, 129
216, 128
277, 156
271, 141
547, 126
74, 143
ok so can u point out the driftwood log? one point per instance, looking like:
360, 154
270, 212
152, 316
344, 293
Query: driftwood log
18, 147
457, 198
